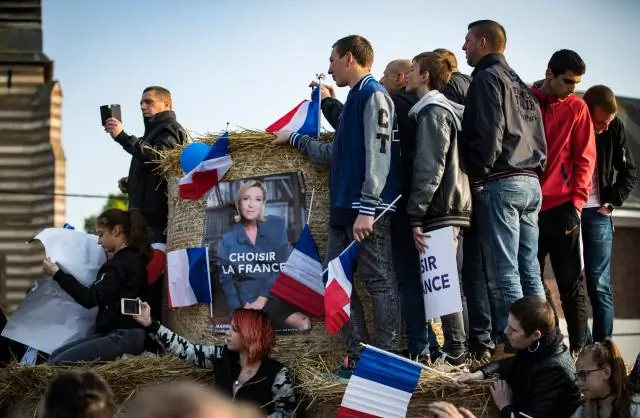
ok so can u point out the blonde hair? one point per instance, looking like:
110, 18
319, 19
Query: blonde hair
243, 189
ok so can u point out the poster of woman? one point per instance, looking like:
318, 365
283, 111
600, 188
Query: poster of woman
251, 227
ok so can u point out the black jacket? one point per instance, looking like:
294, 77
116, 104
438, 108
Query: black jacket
123, 276
440, 192
503, 133
147, 189
542, 381
403, 102
613, 152
457, 87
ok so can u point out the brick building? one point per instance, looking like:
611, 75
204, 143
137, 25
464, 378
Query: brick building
32, 162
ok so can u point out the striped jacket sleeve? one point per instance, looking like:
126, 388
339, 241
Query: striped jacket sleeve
378, 130
203, 356
317, 151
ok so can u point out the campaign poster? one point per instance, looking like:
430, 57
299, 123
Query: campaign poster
251, 226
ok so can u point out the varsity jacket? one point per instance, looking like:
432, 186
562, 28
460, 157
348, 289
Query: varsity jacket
363, 158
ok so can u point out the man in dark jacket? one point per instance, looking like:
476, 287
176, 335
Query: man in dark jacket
440, 194
503, 151
458, 85
613, 180
147, 189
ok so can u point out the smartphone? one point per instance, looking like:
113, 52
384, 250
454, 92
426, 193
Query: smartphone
110, 111
130, 307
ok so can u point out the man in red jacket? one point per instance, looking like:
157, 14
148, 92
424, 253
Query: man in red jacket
571, 159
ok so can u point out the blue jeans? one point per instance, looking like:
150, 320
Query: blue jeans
509, 230
483, 298
375, 269
597, 239
406, 263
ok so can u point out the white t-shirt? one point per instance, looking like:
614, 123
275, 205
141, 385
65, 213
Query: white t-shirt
594, 193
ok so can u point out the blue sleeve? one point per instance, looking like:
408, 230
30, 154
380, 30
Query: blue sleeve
226, 278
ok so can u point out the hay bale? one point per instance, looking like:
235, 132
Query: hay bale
253, 155
324, 393
22, 387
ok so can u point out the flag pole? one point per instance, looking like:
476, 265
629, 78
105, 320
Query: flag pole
320, 77
313, 192
374, 221
424, 366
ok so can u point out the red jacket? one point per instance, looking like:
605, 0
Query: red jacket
571, 150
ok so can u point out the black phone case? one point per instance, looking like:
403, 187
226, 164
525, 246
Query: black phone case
110, 111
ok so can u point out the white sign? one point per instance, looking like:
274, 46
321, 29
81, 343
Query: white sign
48, 317
439, 275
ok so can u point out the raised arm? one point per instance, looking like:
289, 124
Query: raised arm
203, 356
104, 290
170, 137
317, 151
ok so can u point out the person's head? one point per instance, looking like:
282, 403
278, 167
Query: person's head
394, 76
118, 228
251, 202
530, 320
429, 71
601, 372
450, 56
351, 57
185, 400
78, 395
252, 332
155, 99
564, 72
602, 105
484, 37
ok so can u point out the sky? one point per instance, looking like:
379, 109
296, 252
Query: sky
248, 62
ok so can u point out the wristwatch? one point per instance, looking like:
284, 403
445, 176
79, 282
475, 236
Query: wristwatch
609, 207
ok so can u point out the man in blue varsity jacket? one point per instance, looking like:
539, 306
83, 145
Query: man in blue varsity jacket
363, 181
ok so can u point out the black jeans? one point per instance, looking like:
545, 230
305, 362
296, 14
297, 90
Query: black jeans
375, 269
101, 347
560, 239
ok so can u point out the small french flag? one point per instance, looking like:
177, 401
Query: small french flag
209, 172
155, 268
303, 119
189, 277
381, 386
337, 292
300, 282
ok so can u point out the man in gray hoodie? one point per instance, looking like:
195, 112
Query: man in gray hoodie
440, 192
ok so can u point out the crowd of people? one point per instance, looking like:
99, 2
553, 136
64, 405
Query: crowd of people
519, 172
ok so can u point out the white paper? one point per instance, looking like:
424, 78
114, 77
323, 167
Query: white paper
48, 317
439, 275
77, 252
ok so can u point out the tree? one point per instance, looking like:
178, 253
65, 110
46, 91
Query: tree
114, 201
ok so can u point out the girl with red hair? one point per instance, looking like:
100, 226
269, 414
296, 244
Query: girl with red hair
242, 367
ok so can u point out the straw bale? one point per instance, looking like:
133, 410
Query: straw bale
126, 376
323, 393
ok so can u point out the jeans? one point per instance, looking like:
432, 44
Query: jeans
484, 297
509, 231
597, 240
560, 239
101, 347
453, 324
420, 337
375, 269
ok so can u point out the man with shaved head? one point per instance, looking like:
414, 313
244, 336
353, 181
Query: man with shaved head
504, 152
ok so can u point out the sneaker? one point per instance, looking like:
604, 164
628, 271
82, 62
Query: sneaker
479, 358
422, 357
442, 357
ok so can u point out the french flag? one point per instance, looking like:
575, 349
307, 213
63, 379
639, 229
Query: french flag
209, 172
303, 119
337, 292
381, 386
189, 277
156, 266
300, 282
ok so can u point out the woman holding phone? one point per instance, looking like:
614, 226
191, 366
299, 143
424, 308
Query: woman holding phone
123, 276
